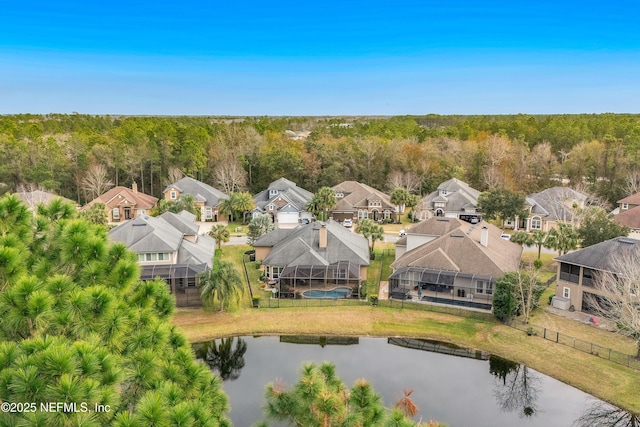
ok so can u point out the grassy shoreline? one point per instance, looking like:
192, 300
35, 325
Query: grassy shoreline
601, 378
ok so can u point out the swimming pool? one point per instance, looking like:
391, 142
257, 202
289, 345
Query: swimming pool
333, 293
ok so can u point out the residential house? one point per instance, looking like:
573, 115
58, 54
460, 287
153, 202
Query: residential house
169, 248
206, 197
285, 202
424, 232
547, 208
578, 271
460, 267
356, 201
452, 199
124, 203
628, 214
315, 256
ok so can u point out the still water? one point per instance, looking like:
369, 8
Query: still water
454, 386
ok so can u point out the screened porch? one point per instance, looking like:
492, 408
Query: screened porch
294, 280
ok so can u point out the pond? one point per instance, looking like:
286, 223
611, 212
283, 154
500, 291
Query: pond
456, 386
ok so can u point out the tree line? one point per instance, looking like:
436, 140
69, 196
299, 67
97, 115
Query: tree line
77, 155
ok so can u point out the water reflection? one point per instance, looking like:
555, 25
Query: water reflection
224, 357
474, 389
517, 387
601, 414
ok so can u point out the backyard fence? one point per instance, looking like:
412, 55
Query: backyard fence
578, 344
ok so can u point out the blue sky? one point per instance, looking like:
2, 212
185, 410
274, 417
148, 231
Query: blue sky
320, 58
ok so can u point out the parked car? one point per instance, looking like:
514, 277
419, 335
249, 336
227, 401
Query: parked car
505, 236
348, 223
402, 233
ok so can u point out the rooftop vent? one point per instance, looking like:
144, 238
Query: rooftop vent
627, 241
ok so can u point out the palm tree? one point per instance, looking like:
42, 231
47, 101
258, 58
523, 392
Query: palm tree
400, 197
371, 231
226, 206
323, 201
537, 237
242, 202
223, 282
563, 238
220, 233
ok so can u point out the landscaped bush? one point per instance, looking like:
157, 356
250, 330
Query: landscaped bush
373, 299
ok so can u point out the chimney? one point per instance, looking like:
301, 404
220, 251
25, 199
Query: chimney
322, 238
484, 236
134, 187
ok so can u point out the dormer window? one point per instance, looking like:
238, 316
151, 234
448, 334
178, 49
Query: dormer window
273, 192
625, 206
173, 195
339, 195
270, 207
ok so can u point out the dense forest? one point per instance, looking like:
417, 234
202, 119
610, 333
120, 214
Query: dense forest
78, 156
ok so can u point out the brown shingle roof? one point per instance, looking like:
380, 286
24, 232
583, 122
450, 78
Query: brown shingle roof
116, 195
357, 194
633, 199
460, 250
630, 218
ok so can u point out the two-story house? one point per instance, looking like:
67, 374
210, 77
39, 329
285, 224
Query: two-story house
628, 214
577, 271
169, 248
355, 201
547, 208
285, 202
452, 199
206, 197
453, 262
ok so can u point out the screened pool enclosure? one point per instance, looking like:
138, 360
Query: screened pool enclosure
442, 287
296, 279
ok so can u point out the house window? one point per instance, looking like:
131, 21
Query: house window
536, 223
362, 214
479, 286
191, 282
341, 274
339, 195
275, 272
173, 195
387, 214
153, 257
115, 213
566, 292
208, 213
273, 192
625, 206
489, 288
271, 207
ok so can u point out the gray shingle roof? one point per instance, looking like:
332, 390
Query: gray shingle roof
288, 190
460, 197
201, 191
300, 246
601, 255
145, 234
555, 203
